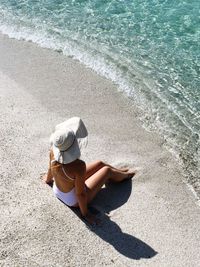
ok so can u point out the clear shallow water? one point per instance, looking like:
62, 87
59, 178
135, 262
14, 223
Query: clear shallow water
150, 48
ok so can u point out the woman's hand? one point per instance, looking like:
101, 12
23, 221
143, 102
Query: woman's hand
46, 179
91, 219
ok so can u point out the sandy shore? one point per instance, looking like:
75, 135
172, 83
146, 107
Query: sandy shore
153, 220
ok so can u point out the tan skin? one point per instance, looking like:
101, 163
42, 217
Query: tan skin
88, 180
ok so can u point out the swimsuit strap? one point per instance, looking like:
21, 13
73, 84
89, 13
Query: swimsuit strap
66, 174
52, 161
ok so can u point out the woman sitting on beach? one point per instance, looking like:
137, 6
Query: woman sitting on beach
74, 182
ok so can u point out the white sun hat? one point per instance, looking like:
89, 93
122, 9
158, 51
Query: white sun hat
68, 140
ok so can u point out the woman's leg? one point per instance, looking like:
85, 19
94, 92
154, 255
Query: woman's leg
93, 167
97, 180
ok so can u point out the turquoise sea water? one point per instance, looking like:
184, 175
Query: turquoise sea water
149, 48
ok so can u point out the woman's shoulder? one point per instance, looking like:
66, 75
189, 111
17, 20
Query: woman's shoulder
79, 167
80, 164
51, 155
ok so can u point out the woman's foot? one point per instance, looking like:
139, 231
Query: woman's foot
124, 169
121, 169
130, 174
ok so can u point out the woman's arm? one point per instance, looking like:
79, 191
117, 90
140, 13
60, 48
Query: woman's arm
48, 177
81, 193
81, 190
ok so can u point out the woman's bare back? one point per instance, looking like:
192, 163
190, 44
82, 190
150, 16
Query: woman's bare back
65, 174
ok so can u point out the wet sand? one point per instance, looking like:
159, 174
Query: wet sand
152, 220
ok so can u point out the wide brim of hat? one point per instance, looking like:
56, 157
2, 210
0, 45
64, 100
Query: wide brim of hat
76, 125
65, 157
74, 152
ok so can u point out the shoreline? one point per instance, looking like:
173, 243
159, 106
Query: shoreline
189, 168
40, 88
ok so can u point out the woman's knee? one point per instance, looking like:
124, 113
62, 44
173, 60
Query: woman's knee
107, 170
99, 163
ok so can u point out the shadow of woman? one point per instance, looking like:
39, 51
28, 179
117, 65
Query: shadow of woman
112, 196
108, 199
127, 245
